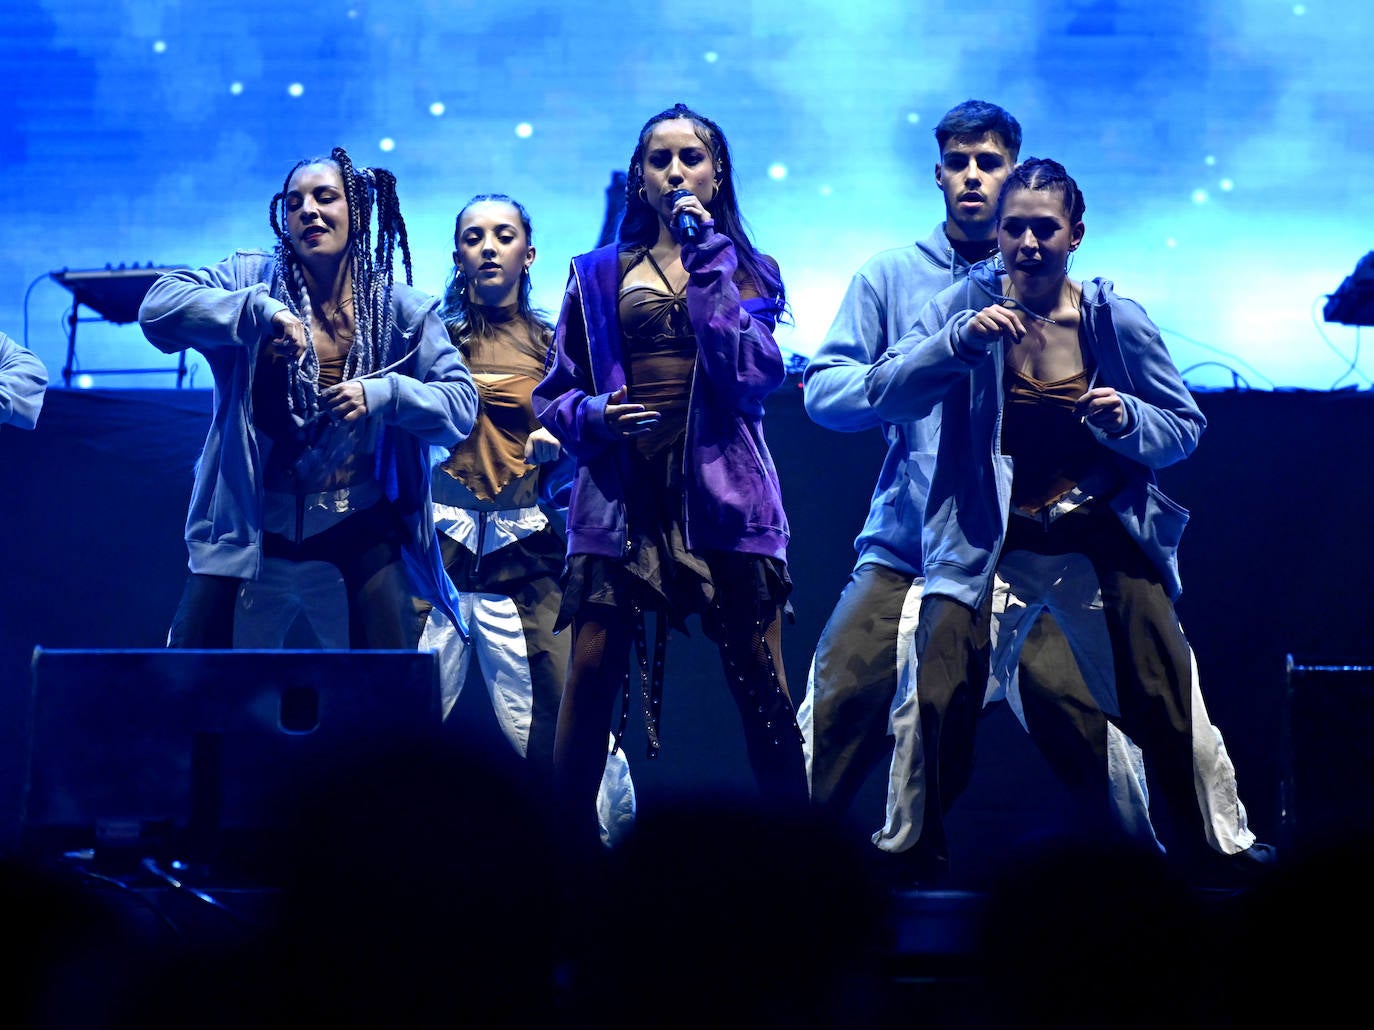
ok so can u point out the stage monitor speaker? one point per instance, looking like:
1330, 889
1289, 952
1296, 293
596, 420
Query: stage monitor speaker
1328, 768
204, 756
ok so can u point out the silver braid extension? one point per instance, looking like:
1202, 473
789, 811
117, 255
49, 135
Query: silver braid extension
388, 219
279, 289
378, 292
362, 355
370, 190
303, 378
382, 299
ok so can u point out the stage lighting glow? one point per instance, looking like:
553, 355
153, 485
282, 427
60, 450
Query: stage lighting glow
117, 157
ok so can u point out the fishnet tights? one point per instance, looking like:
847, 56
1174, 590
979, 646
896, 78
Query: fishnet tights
596, 677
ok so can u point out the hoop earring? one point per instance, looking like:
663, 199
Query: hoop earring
643, 196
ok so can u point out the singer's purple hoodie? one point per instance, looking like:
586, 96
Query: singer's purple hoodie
733, 501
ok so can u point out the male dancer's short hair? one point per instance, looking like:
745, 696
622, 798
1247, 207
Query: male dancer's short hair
974, 119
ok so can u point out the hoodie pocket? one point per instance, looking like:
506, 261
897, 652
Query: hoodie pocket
1165, 518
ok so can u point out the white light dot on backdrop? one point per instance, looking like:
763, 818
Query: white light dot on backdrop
1200, 196
1209, 160
1299, 9
1226, 185
84, 382
1171, 243
524, 130
235, 88
295, 89
160, 47
437, 108
826, 190
386, 144
777, 172
913, 118
711, 57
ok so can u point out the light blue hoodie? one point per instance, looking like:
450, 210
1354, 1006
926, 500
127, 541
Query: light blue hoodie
931, 368
883, 301
23, 383
224, 311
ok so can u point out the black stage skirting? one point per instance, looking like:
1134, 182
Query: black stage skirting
1276, 562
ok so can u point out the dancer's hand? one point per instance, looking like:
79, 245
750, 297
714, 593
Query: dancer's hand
345, 402
1102, 407
629, 419
996, 321
288, 336
542, 446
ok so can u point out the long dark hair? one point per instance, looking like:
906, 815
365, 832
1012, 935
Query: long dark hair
639, 227
457, 308
367, 190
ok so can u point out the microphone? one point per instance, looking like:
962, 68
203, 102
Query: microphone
685, 225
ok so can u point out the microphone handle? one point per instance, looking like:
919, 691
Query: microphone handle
686, 225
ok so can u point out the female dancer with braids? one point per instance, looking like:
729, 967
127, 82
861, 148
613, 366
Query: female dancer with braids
332, 381
493, 497
664, 356
1059, 400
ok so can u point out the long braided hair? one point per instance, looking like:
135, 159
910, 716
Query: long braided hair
367, 190
639, 227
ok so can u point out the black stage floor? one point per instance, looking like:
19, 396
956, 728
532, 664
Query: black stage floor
1077, 938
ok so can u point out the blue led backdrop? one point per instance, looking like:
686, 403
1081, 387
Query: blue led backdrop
1223, 146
